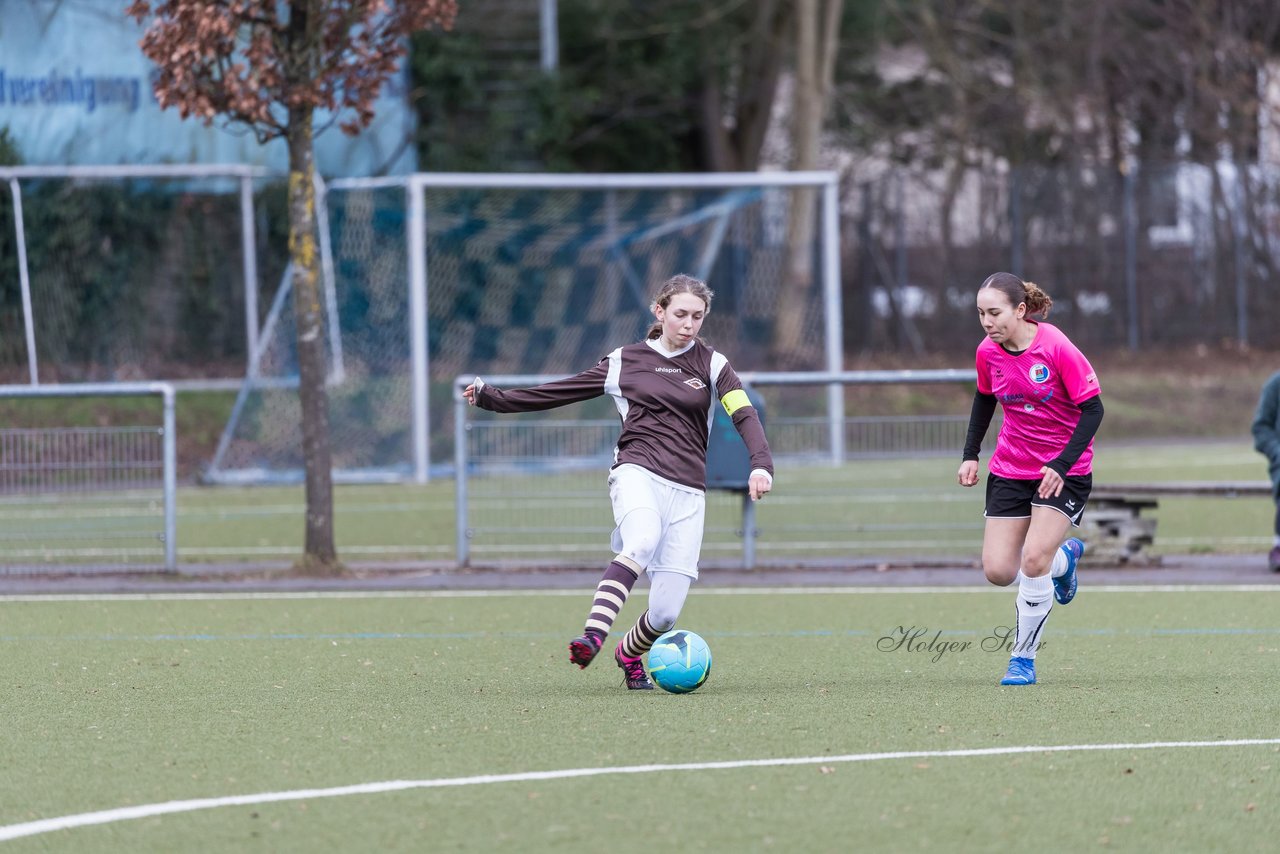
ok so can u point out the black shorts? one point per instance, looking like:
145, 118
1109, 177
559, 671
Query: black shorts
1013, 499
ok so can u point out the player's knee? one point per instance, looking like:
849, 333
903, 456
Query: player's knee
1036, 563
663, 617
999, 574
640, 536
639, 550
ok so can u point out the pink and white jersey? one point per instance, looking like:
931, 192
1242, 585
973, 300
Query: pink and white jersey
1039, 390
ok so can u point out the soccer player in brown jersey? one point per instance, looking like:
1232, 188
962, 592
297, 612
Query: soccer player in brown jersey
665, 388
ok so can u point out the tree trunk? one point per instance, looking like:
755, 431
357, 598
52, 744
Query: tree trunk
817, 25
735, 146
319, 555
759, 84
718, 154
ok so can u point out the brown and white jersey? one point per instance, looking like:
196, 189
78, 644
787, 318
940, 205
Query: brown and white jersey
665, 401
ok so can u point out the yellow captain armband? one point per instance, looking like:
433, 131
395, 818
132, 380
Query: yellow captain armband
735, 400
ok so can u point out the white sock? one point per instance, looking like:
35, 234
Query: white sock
1059, 566
1035, 600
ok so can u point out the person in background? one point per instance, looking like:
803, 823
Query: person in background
665, 388
1266, 438
1040, 475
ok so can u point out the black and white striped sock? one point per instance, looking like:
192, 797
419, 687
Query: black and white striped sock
611, 595
640, 639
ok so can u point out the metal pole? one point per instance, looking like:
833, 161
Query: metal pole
170, 479
460, 454
249, 248
930, 375
550, 36
1130, 216
416, 240
596, 180
1015, 223
172, 170
748, 532
1237, 246
900, 235
330, 286
24, 282
834, 314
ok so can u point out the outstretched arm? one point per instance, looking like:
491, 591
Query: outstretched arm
579, 387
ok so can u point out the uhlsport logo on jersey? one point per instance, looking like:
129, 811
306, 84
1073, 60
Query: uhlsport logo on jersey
1039, 372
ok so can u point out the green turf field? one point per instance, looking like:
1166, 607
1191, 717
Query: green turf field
116, 702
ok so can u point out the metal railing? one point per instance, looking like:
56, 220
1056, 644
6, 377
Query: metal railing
62, 462
544, 476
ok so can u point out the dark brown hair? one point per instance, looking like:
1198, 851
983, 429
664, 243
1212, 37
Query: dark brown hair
1018, 291
678, 284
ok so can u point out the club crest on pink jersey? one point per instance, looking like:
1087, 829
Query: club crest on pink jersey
1039, 372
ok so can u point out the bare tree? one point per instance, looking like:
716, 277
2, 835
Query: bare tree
270, 65
735, 103
817, 29
1093, 81
681, 84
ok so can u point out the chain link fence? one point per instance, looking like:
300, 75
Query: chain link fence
135, 276
1158, 257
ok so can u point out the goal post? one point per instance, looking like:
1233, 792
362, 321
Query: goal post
712, 217
173, 222
437, 274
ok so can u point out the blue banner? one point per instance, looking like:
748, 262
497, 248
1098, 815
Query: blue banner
75, 89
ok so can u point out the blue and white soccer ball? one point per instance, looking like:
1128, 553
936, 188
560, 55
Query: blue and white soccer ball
679, 661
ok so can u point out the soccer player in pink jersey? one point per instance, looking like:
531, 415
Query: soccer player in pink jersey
665, 388
1040, 475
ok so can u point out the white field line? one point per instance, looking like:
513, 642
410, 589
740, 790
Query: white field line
523, 593
66, 822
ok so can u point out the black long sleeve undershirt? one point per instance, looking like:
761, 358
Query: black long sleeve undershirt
984, 408
1090, 418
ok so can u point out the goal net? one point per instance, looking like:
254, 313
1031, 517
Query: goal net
431, 276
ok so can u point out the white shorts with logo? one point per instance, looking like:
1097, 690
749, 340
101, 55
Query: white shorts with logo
674, 528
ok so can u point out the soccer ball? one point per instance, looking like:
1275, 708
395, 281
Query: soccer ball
680, 661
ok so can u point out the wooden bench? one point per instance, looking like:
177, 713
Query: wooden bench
1115, 528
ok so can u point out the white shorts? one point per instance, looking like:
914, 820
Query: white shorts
673, 530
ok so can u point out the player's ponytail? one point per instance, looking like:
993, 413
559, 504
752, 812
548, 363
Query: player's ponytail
1020, 292
1038, 302
678, 284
